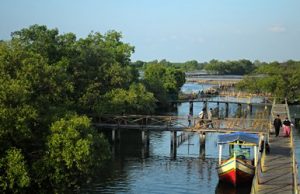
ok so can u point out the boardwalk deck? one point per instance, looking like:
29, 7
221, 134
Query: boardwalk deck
277, 168
276, 172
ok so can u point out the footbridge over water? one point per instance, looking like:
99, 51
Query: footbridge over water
179, 127
277, 171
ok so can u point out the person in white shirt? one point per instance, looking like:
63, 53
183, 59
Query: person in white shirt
202, 116
209, 118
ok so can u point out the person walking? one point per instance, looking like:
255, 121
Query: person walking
202, 116
277, 124
209, 118
287, 127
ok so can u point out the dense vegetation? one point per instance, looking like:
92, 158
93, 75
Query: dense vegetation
239, 67
48, 83
187, 66
163, 81
282, 80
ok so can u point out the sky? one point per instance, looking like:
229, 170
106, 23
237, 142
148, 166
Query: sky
175, 30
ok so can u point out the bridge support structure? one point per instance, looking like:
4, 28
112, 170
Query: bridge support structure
191, 109
202, 144
249, 107
226, 109
239, 110
115, 135
173, 144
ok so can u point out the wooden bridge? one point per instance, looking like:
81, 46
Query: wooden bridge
277, 172
180, 123
220, 99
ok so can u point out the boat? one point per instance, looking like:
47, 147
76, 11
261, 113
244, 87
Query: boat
239, 167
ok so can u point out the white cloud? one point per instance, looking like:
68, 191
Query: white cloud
277, 28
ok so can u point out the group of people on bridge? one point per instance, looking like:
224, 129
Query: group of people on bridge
286, 125
205, 119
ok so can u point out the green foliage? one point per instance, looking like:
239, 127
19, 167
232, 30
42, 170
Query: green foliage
136, 100
14, 176
74, 150
192, 65
44, 78
281, 80
163, 81
240, 67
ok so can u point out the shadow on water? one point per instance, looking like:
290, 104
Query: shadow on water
224, 188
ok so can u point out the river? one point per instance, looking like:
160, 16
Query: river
193, 170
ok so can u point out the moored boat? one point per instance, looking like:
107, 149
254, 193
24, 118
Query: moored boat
239, 166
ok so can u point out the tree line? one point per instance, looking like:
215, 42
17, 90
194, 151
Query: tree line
281, 80
237, 67
50, 85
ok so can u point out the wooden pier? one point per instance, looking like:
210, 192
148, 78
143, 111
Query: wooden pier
276, 171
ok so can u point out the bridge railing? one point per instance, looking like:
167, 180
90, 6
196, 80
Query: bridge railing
224, 98
169, 122
258, 170
294, 162
143, 120
261, 162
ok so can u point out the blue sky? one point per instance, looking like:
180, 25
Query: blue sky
176, 30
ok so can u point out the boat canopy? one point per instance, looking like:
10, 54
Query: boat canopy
238, 136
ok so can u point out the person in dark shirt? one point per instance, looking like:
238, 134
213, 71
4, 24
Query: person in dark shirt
277, 124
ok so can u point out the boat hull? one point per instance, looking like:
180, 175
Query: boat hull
236, 171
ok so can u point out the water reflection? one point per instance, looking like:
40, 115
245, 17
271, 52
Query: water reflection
223, 188
148, 168
193, 171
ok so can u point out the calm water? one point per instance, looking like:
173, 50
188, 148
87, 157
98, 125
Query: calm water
135, 169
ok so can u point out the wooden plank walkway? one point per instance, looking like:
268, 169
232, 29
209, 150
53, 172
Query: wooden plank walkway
275, 171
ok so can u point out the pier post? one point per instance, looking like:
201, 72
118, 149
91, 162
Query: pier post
191, 107
113, 135
148, 140
226, 109
145, 143
173, 144
205, 104
143, 137
218, 110
202, 144
239, 110
250, 108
